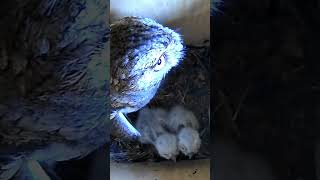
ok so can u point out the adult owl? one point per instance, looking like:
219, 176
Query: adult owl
142, 53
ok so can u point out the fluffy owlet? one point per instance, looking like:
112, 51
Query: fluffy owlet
150, 124
142, 53
186, 125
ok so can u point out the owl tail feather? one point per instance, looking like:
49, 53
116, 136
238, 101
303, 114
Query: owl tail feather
24, 169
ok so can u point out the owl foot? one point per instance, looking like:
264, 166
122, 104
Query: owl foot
121, 128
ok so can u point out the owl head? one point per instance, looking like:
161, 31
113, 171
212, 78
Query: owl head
142, 53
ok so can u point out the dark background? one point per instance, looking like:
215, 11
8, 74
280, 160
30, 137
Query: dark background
93, 167
265, 67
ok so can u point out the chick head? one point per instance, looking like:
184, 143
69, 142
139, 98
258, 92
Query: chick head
166, 145
188, 141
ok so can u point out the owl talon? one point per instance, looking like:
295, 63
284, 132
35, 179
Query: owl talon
123, 129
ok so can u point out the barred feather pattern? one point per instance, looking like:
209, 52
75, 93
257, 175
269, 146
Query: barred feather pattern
53, 81
137, 44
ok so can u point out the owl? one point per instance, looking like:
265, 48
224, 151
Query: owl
142, 53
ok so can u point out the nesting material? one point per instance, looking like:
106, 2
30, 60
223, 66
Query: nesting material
187, 85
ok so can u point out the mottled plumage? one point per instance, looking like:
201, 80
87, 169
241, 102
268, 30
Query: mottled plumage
137, 47
142, 52
53, 81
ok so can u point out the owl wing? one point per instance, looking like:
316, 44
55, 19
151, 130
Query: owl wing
53, 79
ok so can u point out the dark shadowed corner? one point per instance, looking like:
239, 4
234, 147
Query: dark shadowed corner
93, 167
264, 116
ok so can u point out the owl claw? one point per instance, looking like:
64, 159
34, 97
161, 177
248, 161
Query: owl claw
122, 127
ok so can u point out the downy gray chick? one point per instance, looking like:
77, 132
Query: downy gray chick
186, 125
150, 125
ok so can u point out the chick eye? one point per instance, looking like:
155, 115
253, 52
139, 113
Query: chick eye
183, 148
160, 63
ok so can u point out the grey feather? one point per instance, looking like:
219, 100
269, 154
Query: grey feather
53, 83
137, 45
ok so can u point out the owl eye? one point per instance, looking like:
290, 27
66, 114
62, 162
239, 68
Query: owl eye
160, 63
